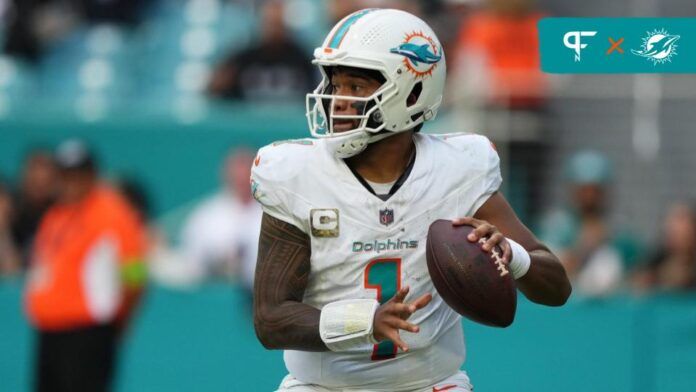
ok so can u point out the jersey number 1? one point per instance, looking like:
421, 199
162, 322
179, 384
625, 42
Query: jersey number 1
384, 275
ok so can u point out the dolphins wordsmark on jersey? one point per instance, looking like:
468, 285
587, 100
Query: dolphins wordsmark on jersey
417, 53
658, 49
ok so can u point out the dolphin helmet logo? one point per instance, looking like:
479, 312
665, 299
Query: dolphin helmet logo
421, 53
659, 47
417, 53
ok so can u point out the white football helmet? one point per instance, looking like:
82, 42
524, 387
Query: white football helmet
405, 50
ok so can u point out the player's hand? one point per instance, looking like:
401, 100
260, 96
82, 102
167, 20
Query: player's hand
391, 317
483, 229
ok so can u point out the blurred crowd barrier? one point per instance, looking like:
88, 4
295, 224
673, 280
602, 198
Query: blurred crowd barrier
177, 163
201, 341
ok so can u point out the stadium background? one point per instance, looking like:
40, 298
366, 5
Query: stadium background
138, 95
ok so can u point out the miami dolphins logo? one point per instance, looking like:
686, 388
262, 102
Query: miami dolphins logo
421, 53
255, 189
659, 47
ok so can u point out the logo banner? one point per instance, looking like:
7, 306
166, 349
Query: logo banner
618, 45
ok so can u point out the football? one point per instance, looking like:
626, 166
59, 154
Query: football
473, 282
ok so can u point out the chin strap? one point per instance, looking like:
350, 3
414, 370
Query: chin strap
348, 146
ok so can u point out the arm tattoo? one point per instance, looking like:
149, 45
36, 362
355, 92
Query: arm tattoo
281, 320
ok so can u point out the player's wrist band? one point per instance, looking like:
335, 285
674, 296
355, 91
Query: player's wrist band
348, 324
520, 261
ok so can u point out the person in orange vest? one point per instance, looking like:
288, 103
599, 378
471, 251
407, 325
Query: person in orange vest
86, 277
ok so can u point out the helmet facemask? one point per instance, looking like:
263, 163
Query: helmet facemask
403, 50
370, 119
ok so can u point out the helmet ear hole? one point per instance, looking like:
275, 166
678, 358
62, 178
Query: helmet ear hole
414, 94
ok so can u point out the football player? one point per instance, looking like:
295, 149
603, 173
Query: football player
341, 282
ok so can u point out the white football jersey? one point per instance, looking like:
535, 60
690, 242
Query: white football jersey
364, 247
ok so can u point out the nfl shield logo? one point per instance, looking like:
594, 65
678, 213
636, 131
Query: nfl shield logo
386, 216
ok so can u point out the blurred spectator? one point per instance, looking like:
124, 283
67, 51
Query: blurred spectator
35, 194
9, 255
20, 40
126, 12
158, 248
445, 17
595, 254
85, 279
414, 7
339, 9
32, 23
497, 55
220, 236
499, 87
672, 265
135, 193
275, 69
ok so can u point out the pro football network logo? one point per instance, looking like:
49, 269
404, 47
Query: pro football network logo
386, 216
658, 46
573, 40
421, 53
